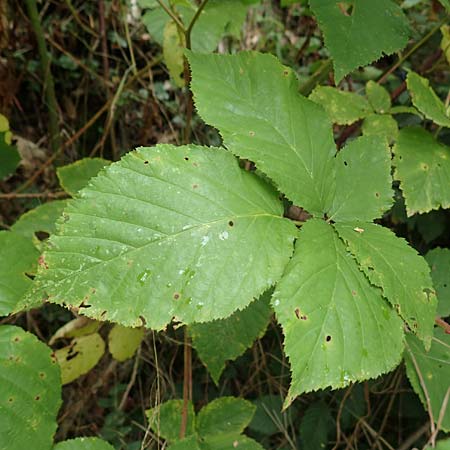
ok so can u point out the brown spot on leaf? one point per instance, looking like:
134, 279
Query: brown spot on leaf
42, 263
144, 322
176, 295
194, 186
251, 133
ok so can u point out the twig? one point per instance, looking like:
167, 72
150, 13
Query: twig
13, 195
188, 31
172, 15
443, 324
407, 444
132, 380
442, 411
49, 85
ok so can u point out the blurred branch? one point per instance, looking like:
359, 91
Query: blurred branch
49, 85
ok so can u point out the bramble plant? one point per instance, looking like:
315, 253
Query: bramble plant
189, 235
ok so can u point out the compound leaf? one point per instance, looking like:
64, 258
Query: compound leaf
80, 356
426, 101
82, 443
423, 169
353, 36
434, 369
225, 415
261, 117
73, 177
343, 107
161, 234
338, 329
18, 256
30, 392
439, 261
391, 264
124, 341
226, 339
359, 196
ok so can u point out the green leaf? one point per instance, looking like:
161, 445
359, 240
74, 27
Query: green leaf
40, 219
426, 101
173, 51
445, 42
80, 356
359, 196
378, 97
381, 125
261, 117
423, 169
439, 261
124, 341
73, 177
353, 37
30, 392
225, 415
434, 370
18, 256
226, 339
190, 443
403, 275
82, 443
445, 443
343, 107
316, 425
269, 418
227, 442
165, 420
338, 329
166, 229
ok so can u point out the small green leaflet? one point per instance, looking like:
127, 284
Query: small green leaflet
439, 261
173, 45
218, 426
360, 24
18, 256
434, 368
338, 329
426, 100
40, 219
422, 165
261, 117
30, 390
343, 107
166, 232
380, 125
76, 176
90, 443
316, 425
226, 339
391, 264
378, 97
359, 196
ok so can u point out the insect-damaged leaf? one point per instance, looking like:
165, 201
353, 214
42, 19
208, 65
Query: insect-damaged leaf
423, 169
30, 391
338, 329
262, 117
439, 261
352, 36
403, 275
167, 231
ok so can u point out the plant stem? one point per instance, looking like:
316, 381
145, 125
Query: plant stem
187, 383
49, 85
172, 15
188, 32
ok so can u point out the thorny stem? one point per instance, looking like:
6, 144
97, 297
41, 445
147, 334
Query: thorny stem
47, 78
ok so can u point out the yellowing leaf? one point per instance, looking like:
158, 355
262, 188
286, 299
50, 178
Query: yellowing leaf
124, 341
173, 51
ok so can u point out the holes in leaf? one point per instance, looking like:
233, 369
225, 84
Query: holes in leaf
37, 398
377, 194
300, 315
144, 322
10, 399
42, 375
286, 72
145, 162
346, 8
17, 339
345, 163
83, 304
231, 223
328, 338
176, 295
42, 235
424, 167
186, 158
